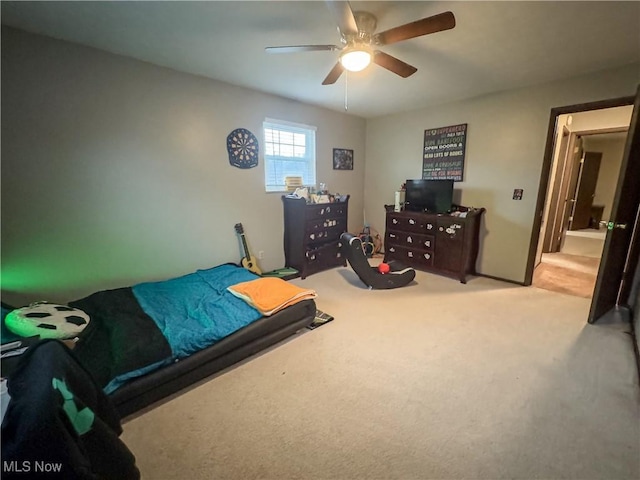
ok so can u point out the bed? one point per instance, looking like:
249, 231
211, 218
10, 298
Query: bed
148, 341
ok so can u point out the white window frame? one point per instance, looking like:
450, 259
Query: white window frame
286, 163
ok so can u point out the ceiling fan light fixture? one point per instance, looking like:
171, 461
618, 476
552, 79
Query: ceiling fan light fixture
355, 59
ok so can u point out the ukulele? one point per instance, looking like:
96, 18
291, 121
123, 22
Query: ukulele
248, 261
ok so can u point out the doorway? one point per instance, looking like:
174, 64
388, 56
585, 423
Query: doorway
580, 196
583, 157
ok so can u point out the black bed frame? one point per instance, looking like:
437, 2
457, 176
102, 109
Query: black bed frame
144, 391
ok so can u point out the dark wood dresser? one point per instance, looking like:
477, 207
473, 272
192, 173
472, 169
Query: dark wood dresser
312, 234
444, 244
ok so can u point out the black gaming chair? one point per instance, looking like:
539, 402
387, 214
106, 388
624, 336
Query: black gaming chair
398, 276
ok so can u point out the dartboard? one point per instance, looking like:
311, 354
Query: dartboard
242, 146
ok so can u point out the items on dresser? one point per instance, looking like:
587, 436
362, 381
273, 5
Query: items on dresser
312, 234
446, 244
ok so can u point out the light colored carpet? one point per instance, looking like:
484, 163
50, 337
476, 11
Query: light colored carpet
574, 262
437, 380
587, 243
570, 274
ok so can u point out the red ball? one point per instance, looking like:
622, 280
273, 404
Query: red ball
384, 268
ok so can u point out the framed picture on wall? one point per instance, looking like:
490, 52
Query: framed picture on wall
342, 159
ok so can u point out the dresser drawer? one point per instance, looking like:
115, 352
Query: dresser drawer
415, 241
322, 230
410, 223
451, 228
438, 243
326, 210
312, 234
409, 256
324, 256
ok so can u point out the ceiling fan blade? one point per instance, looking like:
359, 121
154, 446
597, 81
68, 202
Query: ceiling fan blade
343, 16
334, 74
436, 23
393, 64
301, 48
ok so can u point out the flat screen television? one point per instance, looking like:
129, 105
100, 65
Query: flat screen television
433, 196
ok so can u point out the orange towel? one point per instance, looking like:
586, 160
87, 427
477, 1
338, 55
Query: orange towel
269, 295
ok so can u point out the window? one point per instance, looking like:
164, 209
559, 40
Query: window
289, 151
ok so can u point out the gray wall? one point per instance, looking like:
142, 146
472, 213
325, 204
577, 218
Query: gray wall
116, 171
506, 138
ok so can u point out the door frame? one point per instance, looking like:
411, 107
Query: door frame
553, 202
569, 188
548, 163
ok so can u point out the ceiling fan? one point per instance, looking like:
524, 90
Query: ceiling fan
359, 41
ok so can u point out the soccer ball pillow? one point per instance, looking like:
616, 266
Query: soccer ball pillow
47, 320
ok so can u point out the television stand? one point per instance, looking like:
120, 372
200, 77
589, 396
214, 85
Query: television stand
446, 244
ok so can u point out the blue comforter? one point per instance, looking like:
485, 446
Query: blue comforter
135, 330
196, 310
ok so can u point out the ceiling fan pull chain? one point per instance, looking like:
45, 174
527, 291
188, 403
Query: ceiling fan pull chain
346, 91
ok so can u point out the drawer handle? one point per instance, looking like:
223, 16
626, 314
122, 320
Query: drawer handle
427, 256
409, 239
441, 229
395, 221
429, 226
412, 221
410, 254
427, 243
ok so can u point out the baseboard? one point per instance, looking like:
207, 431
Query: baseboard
522, 284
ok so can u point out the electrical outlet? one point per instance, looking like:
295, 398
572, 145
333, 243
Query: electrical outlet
261, 254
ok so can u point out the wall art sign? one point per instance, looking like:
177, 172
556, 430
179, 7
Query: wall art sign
342, 159
242, 146
443, 154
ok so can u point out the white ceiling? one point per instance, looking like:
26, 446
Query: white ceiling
495, 45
